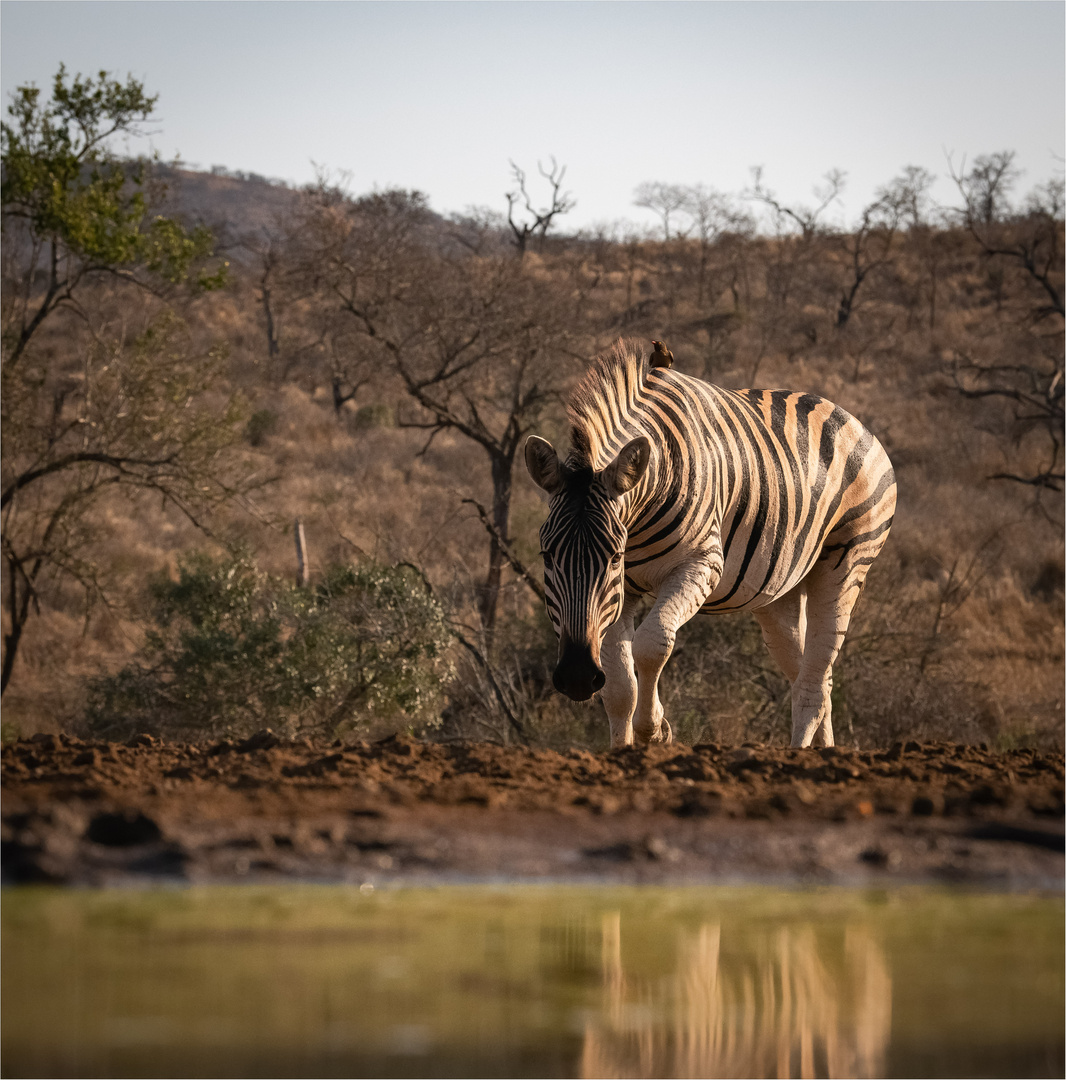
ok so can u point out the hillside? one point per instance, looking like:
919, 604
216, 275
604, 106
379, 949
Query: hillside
949, 352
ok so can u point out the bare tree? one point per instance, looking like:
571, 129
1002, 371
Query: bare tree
909, 193
804, 218
314, 341
624, 249
1030, 237
1035, 393
662, 199
923, 222
713, 217
793, 259
868, 245
282, 295
475, 341
986, 186
902, 203
539, 221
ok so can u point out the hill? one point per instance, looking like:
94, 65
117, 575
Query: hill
386, 364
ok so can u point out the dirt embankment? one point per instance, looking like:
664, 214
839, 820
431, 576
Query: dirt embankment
411, 811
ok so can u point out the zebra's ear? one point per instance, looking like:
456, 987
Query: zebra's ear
543, 464
628, 467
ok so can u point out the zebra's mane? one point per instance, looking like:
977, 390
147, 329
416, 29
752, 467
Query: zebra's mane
601, 400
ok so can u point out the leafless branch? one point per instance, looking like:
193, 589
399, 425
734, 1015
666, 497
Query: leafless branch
516, 565
561, 203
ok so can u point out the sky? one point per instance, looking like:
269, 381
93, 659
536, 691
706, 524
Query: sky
440, 97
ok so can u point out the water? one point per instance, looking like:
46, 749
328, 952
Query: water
530, 981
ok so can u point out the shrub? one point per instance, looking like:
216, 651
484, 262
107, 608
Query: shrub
232, 650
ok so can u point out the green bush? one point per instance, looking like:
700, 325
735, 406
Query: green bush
232, 650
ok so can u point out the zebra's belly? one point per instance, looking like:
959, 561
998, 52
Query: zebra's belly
740, 588
758, 587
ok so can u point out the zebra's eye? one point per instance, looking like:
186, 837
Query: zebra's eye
547, 557
617, 559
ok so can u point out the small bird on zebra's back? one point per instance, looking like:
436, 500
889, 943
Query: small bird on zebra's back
704, 500
661, 356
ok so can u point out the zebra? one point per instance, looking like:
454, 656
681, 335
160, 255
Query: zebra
704, 500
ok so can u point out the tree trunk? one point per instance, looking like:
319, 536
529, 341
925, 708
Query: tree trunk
273, 347
847, 299
20, 613
502, 466
701, 277
303, 564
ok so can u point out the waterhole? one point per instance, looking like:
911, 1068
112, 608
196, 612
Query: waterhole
324, 981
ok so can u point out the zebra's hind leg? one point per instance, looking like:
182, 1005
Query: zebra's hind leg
784, 629
620, 690
831, 595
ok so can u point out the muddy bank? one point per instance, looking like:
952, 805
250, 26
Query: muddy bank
404, 810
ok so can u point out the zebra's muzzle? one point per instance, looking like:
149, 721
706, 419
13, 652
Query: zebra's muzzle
577, 675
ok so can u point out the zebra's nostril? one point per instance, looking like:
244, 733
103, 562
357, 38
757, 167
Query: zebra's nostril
598, 680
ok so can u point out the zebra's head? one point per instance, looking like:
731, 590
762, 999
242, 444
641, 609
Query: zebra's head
583, 543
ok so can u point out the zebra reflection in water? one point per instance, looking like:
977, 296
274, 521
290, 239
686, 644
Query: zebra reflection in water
785, 1005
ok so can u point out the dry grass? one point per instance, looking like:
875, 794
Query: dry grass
959, 634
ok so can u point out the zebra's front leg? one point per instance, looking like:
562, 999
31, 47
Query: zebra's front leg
620, 690
679, 598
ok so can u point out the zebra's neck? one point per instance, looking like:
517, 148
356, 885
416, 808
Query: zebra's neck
619, 399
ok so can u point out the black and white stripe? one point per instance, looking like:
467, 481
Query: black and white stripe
753, 494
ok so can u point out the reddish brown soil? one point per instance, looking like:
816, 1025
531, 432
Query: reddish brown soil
404, 810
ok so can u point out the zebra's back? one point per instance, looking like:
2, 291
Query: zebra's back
767, 481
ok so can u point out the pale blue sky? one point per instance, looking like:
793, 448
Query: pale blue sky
438, 96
